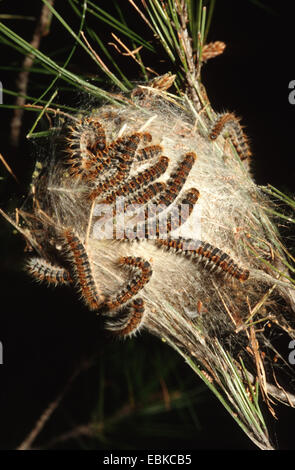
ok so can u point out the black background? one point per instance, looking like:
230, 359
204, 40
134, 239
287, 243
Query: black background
46, 333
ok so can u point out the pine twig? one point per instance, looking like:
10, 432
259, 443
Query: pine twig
8, 167
41, 30
47, 413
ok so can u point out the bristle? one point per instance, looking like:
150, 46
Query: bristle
240, 141
169, 191
135, 285
82, 269
42, 270
152, 191
110, 160
131, 323
148, 153
139, 181
85, 142
204, 251
110, 182
156, 224
177, 179
124, 148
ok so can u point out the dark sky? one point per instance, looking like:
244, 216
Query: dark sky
252, 79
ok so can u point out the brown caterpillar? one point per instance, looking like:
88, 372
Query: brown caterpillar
196, 249
230, 122
82, 270
42, 270
133, 287
131, 323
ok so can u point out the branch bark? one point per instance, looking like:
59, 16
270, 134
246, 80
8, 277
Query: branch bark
41, 30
